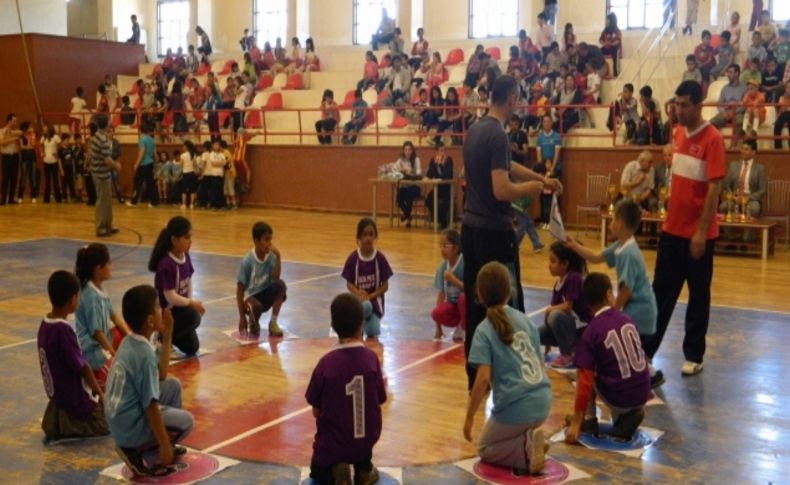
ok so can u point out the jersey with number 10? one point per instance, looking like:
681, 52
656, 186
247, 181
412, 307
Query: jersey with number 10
348, 389
610, 347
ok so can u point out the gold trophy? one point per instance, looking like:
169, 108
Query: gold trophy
744, 200
729, 198
612, 191
662, 201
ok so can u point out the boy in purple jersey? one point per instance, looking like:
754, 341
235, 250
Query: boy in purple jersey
610, 363
346, 392
73, 410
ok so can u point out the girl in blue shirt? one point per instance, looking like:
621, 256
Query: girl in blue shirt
506, 351
95, 311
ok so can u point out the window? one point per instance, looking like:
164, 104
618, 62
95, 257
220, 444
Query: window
493, 18
367, 18
172, 25
780, 10
637, 14
270, 21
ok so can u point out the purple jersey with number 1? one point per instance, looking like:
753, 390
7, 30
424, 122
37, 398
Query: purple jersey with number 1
610, 347
348, 389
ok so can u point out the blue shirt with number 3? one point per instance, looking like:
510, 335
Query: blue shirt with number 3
522, 393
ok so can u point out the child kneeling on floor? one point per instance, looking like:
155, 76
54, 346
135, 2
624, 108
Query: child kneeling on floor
72, 411
259, 279
611, 364
143, 404
450, 309
506, 351
346, 392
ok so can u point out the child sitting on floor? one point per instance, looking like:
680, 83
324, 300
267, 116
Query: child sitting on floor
450, 309
259, 279
346, 392
143, 404
72, 411
568, 314
611, 364
367, 273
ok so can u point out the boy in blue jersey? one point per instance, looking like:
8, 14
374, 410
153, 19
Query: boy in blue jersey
143, 404
635, 296
259, 279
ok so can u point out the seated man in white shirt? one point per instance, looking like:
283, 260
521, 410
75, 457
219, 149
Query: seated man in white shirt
638, 181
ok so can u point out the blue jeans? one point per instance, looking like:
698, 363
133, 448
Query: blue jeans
551, 13
372, 324
178, 422
525, 225
559, 330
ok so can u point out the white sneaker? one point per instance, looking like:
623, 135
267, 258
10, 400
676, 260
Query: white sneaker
458, 333
691, 368
129, 203
19, 200
33, 200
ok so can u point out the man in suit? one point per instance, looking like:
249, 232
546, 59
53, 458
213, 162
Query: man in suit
748, 177
663, 171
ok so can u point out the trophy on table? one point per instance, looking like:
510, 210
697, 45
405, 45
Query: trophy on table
729, 197
662, 201
612, 191
744, 201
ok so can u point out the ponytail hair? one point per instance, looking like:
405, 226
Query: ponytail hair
88, 258
493, 289
566, 255
178, 226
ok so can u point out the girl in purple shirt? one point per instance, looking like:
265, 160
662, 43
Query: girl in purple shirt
367, 272
567, 314
173, 281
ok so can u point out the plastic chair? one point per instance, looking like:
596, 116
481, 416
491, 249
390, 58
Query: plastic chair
494, 53
348, 100
265, 81
595, 199
295, 81
777, 206
398, 121
253, 119
275, 102
454, 57
203, 69
226, 68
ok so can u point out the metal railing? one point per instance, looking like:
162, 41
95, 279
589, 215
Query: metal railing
643, 55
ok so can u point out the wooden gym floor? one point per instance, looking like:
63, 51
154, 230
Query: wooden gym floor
727, 425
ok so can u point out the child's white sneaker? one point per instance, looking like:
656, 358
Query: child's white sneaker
459, 333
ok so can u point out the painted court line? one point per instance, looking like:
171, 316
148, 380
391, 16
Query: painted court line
11, 346
306, 409
293, 283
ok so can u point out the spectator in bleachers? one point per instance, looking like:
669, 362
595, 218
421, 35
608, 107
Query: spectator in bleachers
296, 57
410, 166
525, 44
735, 31
766, 28
241, 100
592, 95
568, 37
417, 114
249, 68
135, 38
247, 41
483, 96
730, 108
754, 102
205, 42
179, 62
649, 128
370, 72
128, 114
772, 81
756, 51
422, 71
545, 79
517, 138
574, 59
440, 167
419, 48
537, 106
279, 52
531, 69
192, 60
399, 85
692, 7
430, 116
611, 41
569, 117
102, 104
213, 105
555, 59
267, 58
515, 61
550, 8
475, 66
781, 48
782, 117
325, 127
752, 73
757, 8
450, 119
545, 35
592, 55
195, 102
726, 56
436, 74
385, 73
397, 44
168, 64
311, 61
470, 102
359, 112
176, 105
625, 112
705, 55
79, 107
385, 32
692, 72
255, 55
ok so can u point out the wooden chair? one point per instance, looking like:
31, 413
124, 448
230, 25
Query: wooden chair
596, 198
777, 206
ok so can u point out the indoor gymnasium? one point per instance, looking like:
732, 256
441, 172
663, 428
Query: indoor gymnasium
394, 241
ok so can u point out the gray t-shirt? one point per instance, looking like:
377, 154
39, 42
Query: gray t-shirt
486, 149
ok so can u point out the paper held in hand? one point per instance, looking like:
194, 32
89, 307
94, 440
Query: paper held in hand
556, 227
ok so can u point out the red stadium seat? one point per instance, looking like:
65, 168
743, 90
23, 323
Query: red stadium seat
445, 75
253, 119
348, 101
399, 121
264, 82
275, 102
227, 67
454, 57
295, 81
715, 41
203, 69
383, 61
157, 71
168, 119
494, 53
116, 120
382, 95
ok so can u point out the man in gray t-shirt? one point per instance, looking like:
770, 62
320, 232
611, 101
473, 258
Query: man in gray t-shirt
487, 232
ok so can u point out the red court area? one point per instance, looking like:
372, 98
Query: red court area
249, 403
